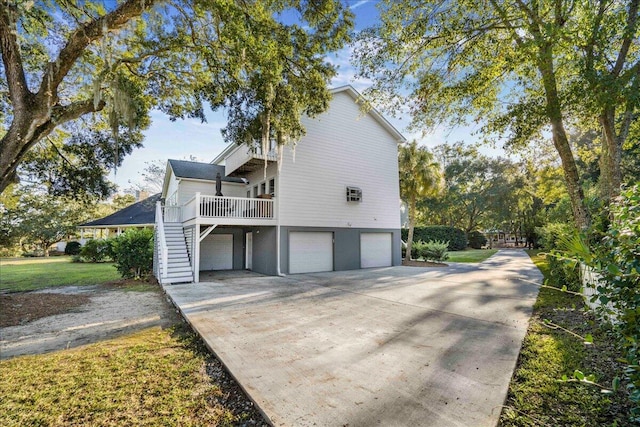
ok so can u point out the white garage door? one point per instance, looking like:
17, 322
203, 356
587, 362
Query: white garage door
310, 252
375, 250
216, 252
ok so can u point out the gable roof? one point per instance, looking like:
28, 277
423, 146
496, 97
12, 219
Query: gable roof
140, 213
196, 170
359, 99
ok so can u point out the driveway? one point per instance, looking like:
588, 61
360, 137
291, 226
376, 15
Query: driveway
388, 346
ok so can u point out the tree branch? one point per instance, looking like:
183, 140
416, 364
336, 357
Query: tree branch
81, 38
14, 72
630, 31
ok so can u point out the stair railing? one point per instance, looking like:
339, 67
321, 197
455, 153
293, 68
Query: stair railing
164, 250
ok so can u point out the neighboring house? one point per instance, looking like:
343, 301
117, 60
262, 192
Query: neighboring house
138, 215
331, 205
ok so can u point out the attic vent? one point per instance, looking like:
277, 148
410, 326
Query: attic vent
354, 194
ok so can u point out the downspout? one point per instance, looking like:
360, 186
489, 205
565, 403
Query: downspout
278, 196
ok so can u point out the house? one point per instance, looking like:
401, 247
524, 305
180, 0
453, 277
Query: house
138, 215
331, 203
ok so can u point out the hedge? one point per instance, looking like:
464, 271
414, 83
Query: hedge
455, 236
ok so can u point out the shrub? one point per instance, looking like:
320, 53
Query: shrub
618, 261
563, 272
72, 248
477, 240
96, 250
77, 259
456, 237
552, 234
133, 253
434, 250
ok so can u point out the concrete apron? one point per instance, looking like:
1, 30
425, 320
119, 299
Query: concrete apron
390, 346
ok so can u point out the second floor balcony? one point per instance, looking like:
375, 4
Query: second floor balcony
207, 209
244, 160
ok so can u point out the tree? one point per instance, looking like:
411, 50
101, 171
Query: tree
512, 65
152, 177
420, 176
42, 220
108, 66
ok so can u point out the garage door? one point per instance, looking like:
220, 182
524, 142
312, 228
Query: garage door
310, 252
375, 250
216, 252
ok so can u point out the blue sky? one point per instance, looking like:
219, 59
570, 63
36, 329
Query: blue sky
183, 139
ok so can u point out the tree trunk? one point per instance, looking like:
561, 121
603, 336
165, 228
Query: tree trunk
560, 139
412, 224
610, 158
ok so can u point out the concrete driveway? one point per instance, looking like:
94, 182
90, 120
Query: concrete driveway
399, 346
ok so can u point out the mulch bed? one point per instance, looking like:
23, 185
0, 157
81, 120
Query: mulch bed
414, 263
20, 308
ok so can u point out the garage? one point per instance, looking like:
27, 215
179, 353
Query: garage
310, 251
216, 252
375, 250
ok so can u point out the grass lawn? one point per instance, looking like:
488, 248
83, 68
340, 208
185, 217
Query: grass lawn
155, 377
536, 397
36, 273
471, 255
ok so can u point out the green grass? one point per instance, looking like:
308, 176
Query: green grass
155, 377
471, 255
31, 274
536, 397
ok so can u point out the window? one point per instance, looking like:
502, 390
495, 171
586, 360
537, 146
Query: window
272, 187
255, 191
263, 188
248, 194
354, 194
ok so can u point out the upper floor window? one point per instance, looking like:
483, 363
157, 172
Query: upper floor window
255, 191
272, 187
263, 188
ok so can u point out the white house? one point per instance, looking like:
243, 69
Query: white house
331, 205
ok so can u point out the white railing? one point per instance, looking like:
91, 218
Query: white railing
242, 155
189, 210
172, 214
162, 243
235, 207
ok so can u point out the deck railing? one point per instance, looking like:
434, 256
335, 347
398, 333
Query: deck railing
228, 207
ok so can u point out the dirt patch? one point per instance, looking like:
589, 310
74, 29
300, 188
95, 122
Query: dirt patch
414, 263
22, 308
86, 314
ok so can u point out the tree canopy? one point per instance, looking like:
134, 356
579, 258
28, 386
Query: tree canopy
522, 68
104, 67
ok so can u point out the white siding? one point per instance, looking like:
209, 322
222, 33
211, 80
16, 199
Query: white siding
173, 184
189, 188
342, 148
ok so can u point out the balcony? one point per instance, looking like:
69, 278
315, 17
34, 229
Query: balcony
222, 210
243, 160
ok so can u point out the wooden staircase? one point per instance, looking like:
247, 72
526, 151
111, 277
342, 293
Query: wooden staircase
178, 269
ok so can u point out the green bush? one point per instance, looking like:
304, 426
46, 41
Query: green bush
434, 251
477, 240
617, 259
563, 273
72, 248
456, 237
132, 253
552, 234
96, 250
